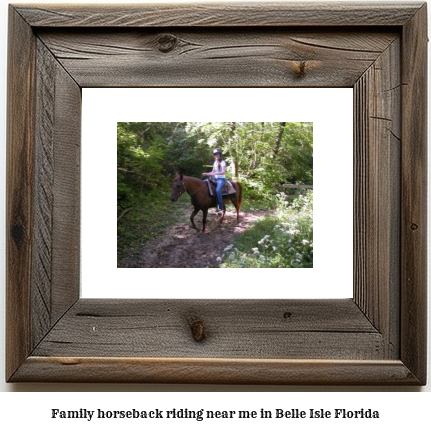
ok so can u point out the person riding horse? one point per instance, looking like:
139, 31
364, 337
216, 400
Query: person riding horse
219, 173
201, 199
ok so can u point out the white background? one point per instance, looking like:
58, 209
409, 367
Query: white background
401, 409
330, 110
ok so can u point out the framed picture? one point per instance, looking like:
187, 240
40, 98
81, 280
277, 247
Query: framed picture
325, 140
376, 337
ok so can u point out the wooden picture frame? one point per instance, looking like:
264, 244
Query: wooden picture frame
376, 338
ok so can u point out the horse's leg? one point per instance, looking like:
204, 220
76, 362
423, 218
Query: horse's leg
192, 216
223, 213
204, 218
235, 204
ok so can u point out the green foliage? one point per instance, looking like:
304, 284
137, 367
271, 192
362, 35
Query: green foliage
263, 156
149, 219
283, 241
139, 164
258, 195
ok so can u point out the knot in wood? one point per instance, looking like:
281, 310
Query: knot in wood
167, 42
414, 226
197, 328
300, 69
18, 233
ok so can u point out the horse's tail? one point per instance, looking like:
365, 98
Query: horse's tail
238, 193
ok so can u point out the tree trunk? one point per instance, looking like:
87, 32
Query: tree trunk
232, 127
278, 140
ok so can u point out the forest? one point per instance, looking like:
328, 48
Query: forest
268, 158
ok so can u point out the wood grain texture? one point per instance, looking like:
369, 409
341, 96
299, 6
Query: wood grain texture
55, 278
215, 371
44, 196
377, 338
19, 201
234, 329
227, 58
66, 190
43, 191
220, 15
377, 182
414, 195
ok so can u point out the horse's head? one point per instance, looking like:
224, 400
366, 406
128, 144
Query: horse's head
178, 187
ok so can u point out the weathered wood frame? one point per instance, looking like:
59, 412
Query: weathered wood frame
378, 337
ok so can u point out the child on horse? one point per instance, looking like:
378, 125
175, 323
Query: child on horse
219, 173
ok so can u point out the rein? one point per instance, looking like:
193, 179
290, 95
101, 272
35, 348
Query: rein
191, 194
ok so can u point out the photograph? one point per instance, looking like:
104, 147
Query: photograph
215, 194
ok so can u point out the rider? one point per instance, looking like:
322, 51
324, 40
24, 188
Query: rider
219, 170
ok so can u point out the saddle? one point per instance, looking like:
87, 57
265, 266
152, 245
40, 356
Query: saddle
228, 190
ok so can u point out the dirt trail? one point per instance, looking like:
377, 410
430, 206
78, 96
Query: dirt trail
184, 247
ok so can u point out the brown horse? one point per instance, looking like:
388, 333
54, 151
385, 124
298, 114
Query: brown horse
201, 199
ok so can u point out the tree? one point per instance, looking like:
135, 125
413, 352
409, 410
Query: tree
264, 155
